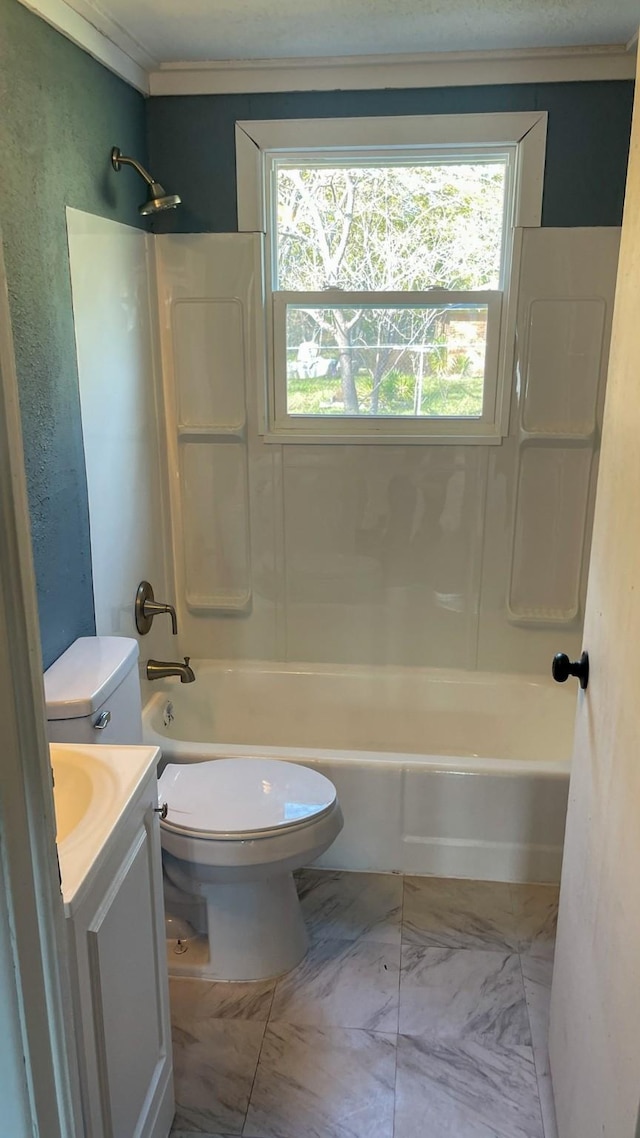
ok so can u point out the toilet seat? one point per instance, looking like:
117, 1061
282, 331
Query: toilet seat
242, 799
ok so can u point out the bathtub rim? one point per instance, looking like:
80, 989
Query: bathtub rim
442, 675
171, 746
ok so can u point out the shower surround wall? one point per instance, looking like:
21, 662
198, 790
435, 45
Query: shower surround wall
421, 555
446, 556
121, 403
379, 554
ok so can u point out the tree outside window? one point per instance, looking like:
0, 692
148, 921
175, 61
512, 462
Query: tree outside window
434, 226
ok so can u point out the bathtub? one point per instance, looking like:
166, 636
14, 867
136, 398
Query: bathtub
458, 774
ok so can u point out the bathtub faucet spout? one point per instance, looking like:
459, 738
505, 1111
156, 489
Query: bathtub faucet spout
161, 669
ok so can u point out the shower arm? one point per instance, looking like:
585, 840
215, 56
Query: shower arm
118, 159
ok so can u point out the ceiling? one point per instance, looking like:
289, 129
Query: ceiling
195, 30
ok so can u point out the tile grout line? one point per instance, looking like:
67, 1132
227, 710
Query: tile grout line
402, 880
395, 1073
395, 1084
533, 1049
255, 1073
512, 895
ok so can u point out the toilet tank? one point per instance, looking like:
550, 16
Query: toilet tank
92, 692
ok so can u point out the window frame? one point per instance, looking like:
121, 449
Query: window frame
260, 145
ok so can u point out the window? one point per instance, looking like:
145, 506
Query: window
388, 277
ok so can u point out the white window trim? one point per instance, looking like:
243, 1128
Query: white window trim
259, 141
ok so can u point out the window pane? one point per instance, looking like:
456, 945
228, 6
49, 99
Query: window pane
390, 227
426, 362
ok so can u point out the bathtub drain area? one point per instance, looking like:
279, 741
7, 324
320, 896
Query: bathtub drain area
420, 1009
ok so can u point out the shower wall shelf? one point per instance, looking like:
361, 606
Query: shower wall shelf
215, 434
558, 438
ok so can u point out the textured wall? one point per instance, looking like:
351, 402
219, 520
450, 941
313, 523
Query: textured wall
191, 142
61, 113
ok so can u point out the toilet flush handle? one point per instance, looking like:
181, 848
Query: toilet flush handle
162, 810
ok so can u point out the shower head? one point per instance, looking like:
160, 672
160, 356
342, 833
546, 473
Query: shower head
158, 199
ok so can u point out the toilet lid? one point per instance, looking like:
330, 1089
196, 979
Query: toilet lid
239, 796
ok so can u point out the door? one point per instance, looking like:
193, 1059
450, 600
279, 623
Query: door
595, 1002
37, 1049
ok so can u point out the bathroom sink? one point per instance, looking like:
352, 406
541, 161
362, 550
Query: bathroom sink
93, 786
83, 783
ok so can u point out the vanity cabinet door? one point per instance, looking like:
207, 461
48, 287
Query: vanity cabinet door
122, 994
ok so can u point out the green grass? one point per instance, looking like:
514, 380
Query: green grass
451, 396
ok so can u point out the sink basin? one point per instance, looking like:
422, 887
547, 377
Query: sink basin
81, 782
93, 786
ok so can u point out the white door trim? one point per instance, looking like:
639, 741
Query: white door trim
34, 988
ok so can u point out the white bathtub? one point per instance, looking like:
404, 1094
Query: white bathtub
459, 774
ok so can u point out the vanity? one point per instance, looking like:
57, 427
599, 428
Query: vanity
106, 800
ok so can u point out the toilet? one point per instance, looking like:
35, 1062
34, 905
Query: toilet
233, 831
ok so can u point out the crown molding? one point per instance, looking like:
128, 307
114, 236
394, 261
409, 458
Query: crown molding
85, 24
349, 73
88, 27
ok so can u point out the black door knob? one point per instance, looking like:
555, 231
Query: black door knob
562, 667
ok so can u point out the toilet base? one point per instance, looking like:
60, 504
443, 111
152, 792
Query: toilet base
256, 928
255, 931
241, 893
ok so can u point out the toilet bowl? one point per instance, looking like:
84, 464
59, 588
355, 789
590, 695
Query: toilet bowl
234, 832
235, 829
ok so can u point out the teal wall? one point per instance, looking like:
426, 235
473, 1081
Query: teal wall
191, 142
61, 112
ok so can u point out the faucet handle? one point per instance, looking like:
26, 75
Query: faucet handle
154, 608
186, 660
146, 607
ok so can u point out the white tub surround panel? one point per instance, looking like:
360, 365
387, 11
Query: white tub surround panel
210, 361
565, 310
221, 477
420, 555
437, 772
541, 484
382, 553
121, 404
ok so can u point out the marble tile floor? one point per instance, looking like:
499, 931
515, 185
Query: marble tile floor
420, 1011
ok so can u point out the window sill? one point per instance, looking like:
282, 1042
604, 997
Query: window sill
298, 437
